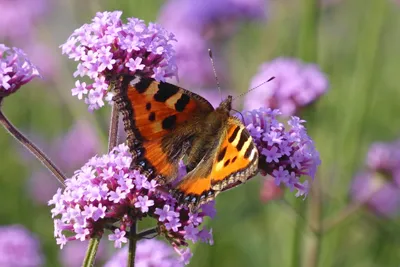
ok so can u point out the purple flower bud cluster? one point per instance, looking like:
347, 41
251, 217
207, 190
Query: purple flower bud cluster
106, 192
15, 70
296, 85
149, 252
19, 248
286, 151
107, 47
378, 185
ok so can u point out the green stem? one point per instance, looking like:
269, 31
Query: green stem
316, 221
307, 51
91, 251
132, 245
363, 77
13, 131
309, 30
298, 234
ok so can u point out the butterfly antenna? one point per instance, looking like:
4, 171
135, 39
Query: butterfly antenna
215, 72
242, 94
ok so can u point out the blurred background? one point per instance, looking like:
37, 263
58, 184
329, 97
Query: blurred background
336, 64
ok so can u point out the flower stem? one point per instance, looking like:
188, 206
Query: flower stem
13, 131
113, 131
344, 214
298, 234
91, 251
132, 245
307, 49
316, 221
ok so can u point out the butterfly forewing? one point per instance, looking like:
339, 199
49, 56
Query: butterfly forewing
152, 111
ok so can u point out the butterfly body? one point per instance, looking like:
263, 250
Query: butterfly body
166, 124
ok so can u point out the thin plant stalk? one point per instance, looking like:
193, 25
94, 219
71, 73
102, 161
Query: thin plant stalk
132, 245
39, 154
307, 51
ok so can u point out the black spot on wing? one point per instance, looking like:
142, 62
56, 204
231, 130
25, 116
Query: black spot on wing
148, 106
182, 102
248, 150
221, 154
242, 140
152, 116
165, 91
142, 85
234, 134
169, 122
234, 159
227, 162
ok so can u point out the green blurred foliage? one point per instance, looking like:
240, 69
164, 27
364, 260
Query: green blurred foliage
356, 42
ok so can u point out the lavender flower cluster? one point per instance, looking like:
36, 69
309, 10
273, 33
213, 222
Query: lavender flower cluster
378, 184
19, 248
295, 86
286, 152
106, 192
15, 70
108, 47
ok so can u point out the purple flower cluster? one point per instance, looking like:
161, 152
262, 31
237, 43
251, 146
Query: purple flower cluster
149, 253
106, 192
296, 85
286, 152
378, 185
19, 248
199, 25
15, 70
107, 47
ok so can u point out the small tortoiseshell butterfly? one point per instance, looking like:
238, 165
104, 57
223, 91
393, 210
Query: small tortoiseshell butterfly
165, 124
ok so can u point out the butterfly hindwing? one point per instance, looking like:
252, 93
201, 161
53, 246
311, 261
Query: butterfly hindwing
153, 111
233, 161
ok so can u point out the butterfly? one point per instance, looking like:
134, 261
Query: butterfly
166, 123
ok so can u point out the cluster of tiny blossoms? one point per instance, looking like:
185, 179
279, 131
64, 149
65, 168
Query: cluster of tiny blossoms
295, 86
15, 70
378, 184
105, 193
107, 47
19, 247
286, 152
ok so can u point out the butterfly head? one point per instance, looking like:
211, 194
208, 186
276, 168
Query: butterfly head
226, 105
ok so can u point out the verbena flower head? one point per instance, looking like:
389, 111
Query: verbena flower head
379, 184
15, 70
19, 248
296, 85
106, 192
107, 48
380, 195
384, 157
149, 253
286, 151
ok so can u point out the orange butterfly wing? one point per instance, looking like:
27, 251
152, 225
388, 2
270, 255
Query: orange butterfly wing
233, 162
151, 110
